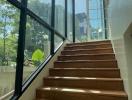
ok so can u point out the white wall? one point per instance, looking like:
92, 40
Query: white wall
120, 19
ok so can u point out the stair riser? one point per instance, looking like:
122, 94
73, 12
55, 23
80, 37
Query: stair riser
88, 57
90, 43
87, 52
88, 47
108, 64
86, 73
57, 95
86, 84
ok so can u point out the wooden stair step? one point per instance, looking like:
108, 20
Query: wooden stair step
95, 45
90, 44
105, 56
106, 45
87, 51
86, 43
86, 63
56, 93
86, 72
85, 82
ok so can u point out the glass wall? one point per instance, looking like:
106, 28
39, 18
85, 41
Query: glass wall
37, 46
9, 25
42, 8
96, 19
37, 39
89, 25
58, 42
69, 20
89, 20
60, 16
81, 21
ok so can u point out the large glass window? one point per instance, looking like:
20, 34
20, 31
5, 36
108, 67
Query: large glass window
96, 19
69, 20
60, 16
42, 8
89, 20
37, 39
37, 46
81, 22
58, 42
9, 25
19, 0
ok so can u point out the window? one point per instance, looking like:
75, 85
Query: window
89, 20
9, 26
60, 16
58, 42
42, 8
96, 19
69, 20
25, 25
37, 46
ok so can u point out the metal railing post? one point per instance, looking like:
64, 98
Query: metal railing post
73, 11
52, 25
65, 18
20, 50
105, 20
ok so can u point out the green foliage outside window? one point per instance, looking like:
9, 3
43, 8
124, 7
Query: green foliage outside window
38, 56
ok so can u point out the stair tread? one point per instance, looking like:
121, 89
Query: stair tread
89, 49
90, 54
88, 61
86, 72
83, 78
88, 45
85, 91
89, 42
85, 69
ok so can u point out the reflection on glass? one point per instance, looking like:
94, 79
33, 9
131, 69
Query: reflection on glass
37, 46
93, 14
96, 20
89, 20
58, 41
60, 16
69, 21
42, 8
95, 4
9, 25
19, 0
81, 24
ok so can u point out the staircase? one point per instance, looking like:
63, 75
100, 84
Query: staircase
84, 71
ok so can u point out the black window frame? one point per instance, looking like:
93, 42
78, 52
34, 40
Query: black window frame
24, 12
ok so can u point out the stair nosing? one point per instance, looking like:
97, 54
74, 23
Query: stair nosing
101, 54
83, 78
89, 49
96, 69
89, 45
90, 42
68, 61
87, 91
